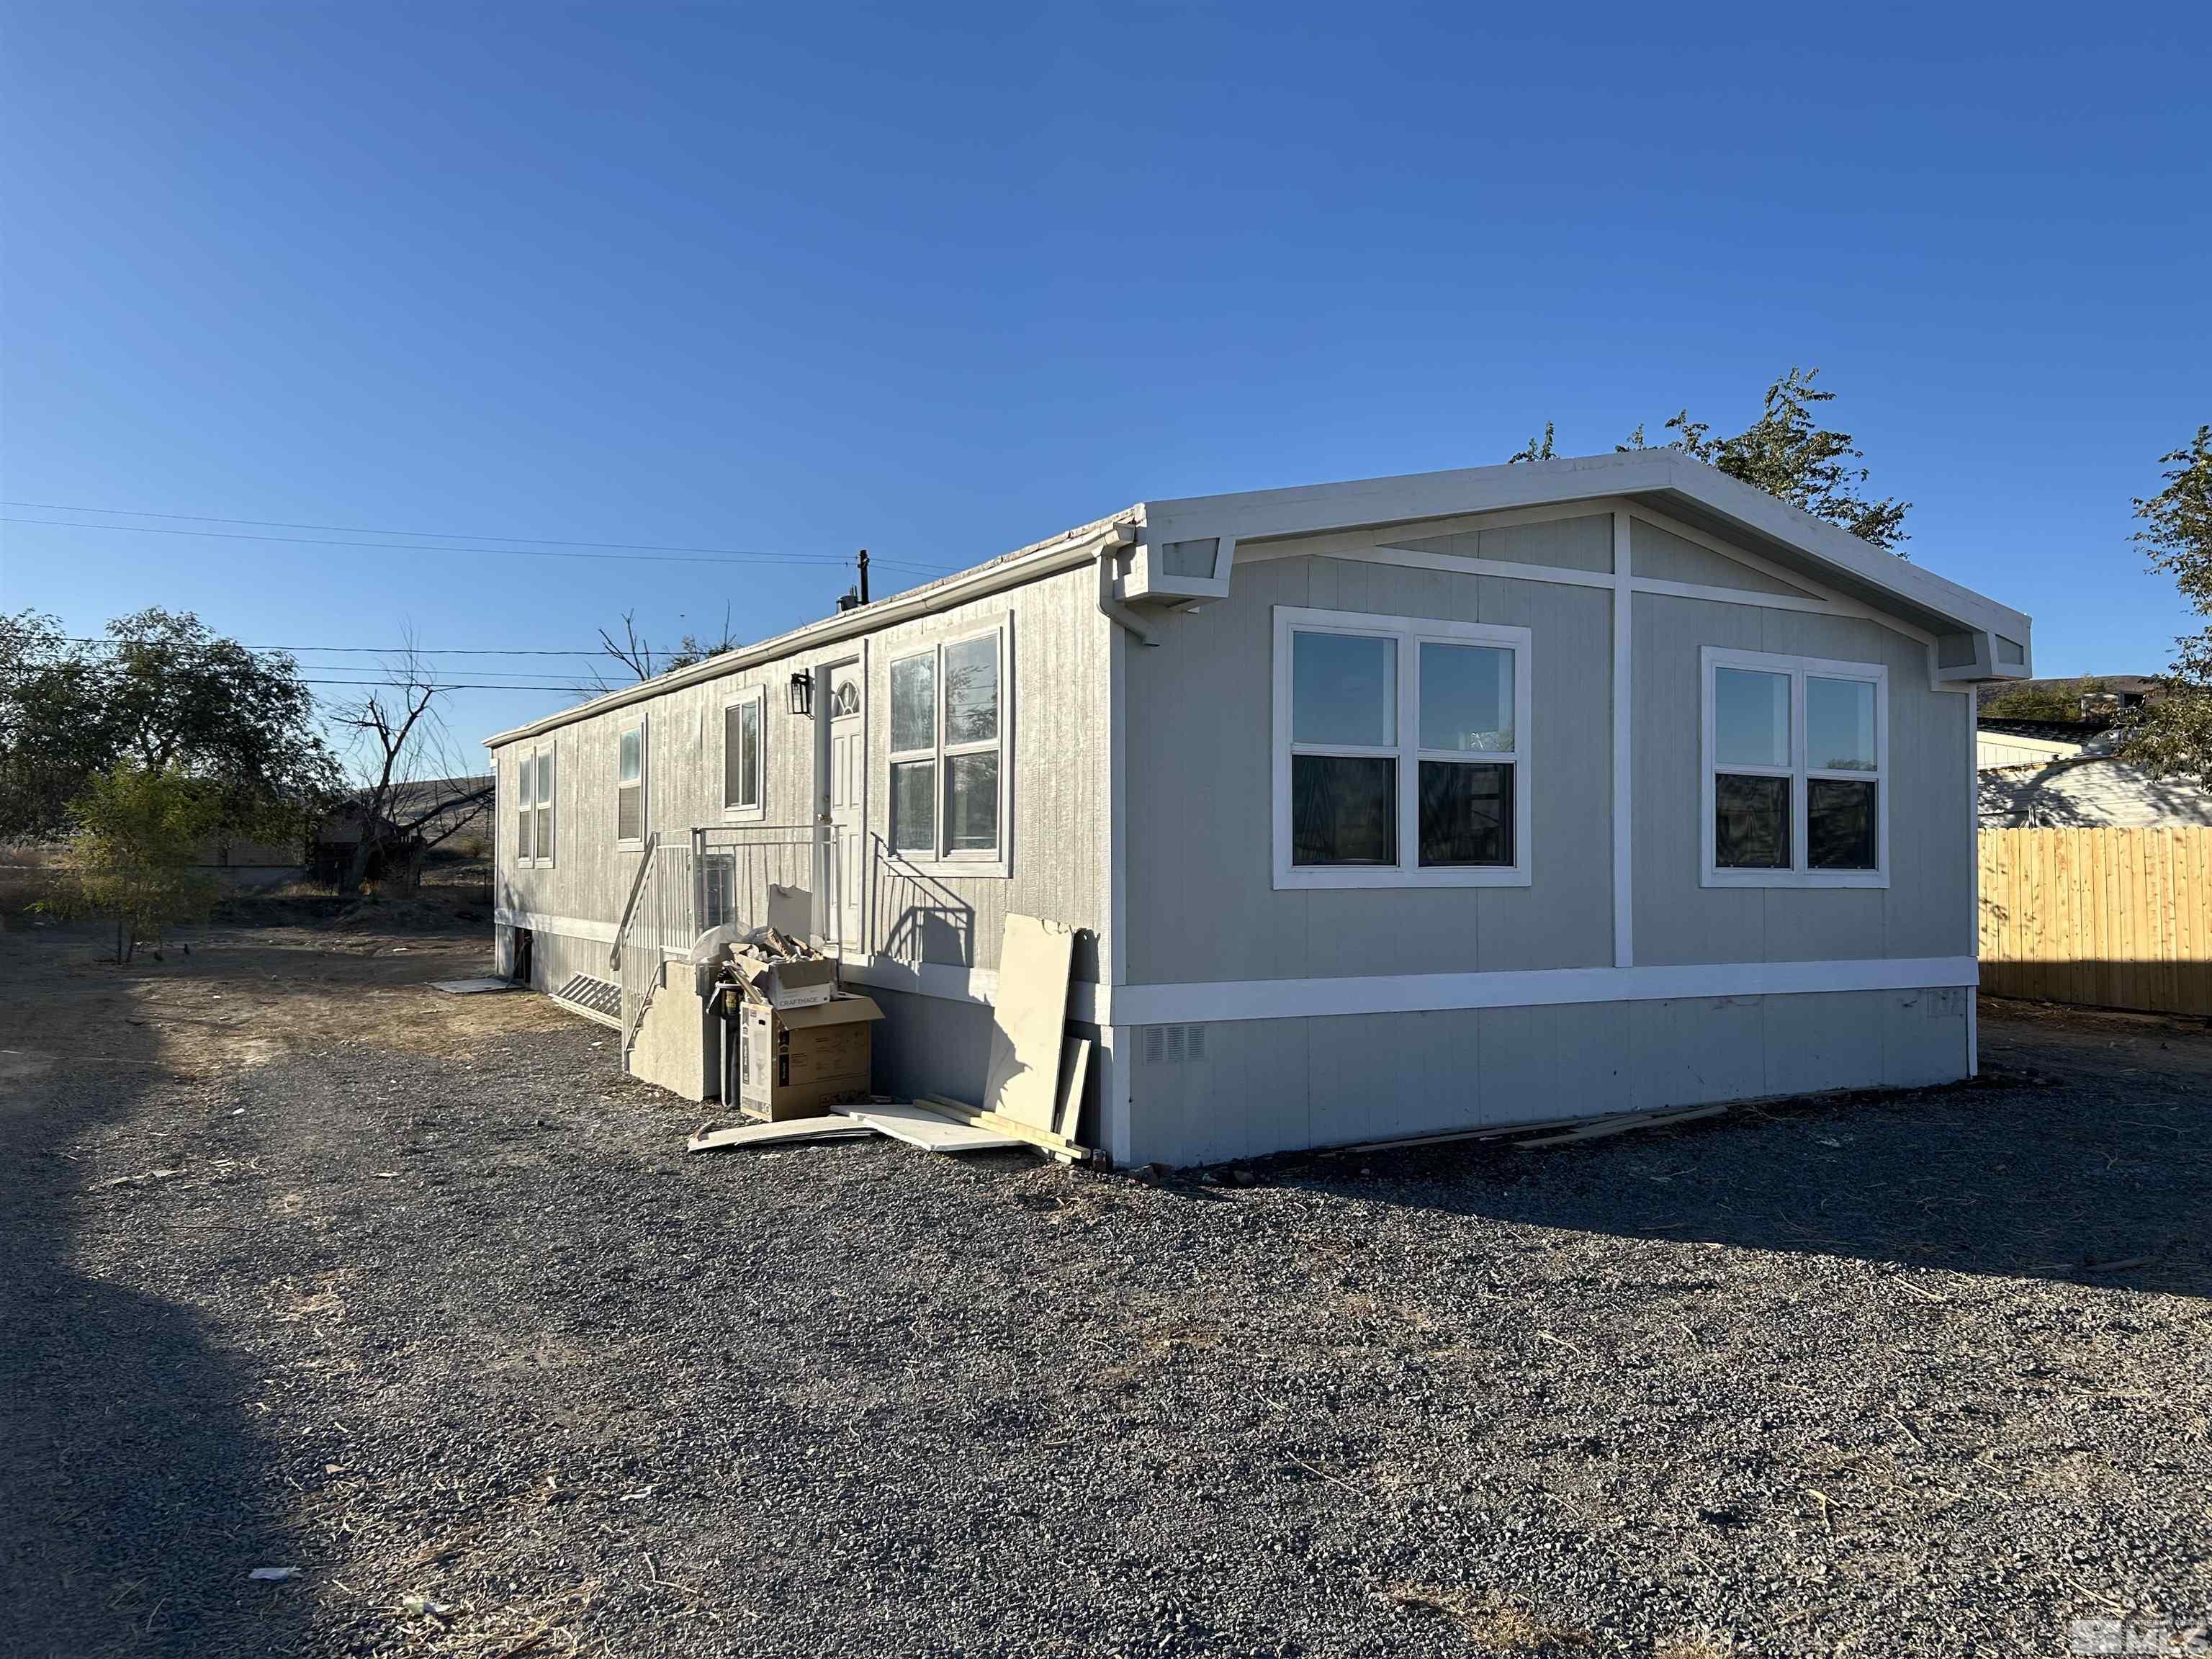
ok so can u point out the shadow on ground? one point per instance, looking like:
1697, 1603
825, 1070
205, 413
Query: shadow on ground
139, 1492
2060, 1163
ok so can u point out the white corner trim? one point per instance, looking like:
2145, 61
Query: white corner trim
1116, 1100
1968, 701
1624, 723
1401, 994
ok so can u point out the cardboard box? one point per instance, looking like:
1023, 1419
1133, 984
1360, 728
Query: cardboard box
799, 1062
803, 983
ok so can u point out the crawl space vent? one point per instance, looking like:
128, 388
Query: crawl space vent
1174, 1045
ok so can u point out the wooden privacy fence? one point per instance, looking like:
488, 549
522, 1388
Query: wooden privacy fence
2113, 918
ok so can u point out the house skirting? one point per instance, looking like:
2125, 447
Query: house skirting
1204, 1092
1206, 1071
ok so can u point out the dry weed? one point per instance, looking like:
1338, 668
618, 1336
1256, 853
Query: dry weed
1490, 1621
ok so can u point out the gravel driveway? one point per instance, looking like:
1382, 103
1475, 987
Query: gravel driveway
313, 1268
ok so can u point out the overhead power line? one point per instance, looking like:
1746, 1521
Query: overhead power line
451, 685
111, 642
829, 560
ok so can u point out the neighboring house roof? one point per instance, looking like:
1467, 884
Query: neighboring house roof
1976, 637
2090, 790
2073, 733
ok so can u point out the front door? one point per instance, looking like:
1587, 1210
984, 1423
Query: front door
848, 800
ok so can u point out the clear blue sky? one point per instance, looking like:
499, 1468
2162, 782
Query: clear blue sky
941, 281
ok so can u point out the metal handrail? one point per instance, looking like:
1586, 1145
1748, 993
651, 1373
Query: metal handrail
736, 865
659, 915
630, 904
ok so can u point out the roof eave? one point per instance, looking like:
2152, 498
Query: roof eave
1025, 564
1831, 552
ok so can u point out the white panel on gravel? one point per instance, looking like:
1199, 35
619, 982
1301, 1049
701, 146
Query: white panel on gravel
918, 1126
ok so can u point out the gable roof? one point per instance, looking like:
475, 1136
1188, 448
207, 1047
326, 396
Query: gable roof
1671, 482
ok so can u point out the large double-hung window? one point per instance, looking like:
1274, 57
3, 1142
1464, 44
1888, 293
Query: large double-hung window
948, 781
1797, 756
1400, 751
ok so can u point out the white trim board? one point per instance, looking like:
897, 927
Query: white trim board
1215, 1000
599, 932
1400, 993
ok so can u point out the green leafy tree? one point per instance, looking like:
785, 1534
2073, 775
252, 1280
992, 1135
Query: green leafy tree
1788, 453
52, 729
163, 690
2044, 699
134, 853
1539, 449
2171, 734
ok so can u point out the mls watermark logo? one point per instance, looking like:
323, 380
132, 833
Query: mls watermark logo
2141, 1633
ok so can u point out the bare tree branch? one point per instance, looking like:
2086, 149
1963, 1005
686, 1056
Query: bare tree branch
393, 727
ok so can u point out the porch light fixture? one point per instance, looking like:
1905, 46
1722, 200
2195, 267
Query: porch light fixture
802, 693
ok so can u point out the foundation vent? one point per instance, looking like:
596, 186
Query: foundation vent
1174, 1045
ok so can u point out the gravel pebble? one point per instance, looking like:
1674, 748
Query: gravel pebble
473, 1342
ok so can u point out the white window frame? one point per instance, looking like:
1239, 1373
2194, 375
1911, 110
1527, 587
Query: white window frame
641, 726
737, 811
1409, 632
1712, 657
527, 789
942, 860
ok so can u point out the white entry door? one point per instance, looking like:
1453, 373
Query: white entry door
848, 799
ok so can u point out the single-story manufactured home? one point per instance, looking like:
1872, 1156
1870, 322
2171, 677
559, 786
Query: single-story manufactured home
1389, 808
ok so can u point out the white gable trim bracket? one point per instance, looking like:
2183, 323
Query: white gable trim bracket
1982, 653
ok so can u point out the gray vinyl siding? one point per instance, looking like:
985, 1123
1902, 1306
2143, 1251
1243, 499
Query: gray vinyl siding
1577, 544
1926, 910
1201, 900
1052, 772
1272, 1084
1061, 651
1665, 556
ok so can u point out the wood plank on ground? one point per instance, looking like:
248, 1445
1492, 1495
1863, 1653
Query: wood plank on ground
789, 1133
1074, 1073
919, 1126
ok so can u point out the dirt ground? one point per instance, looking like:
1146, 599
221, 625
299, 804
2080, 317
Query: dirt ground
313, 1268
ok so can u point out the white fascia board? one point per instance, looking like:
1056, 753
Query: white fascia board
1309, 509
1062, 552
